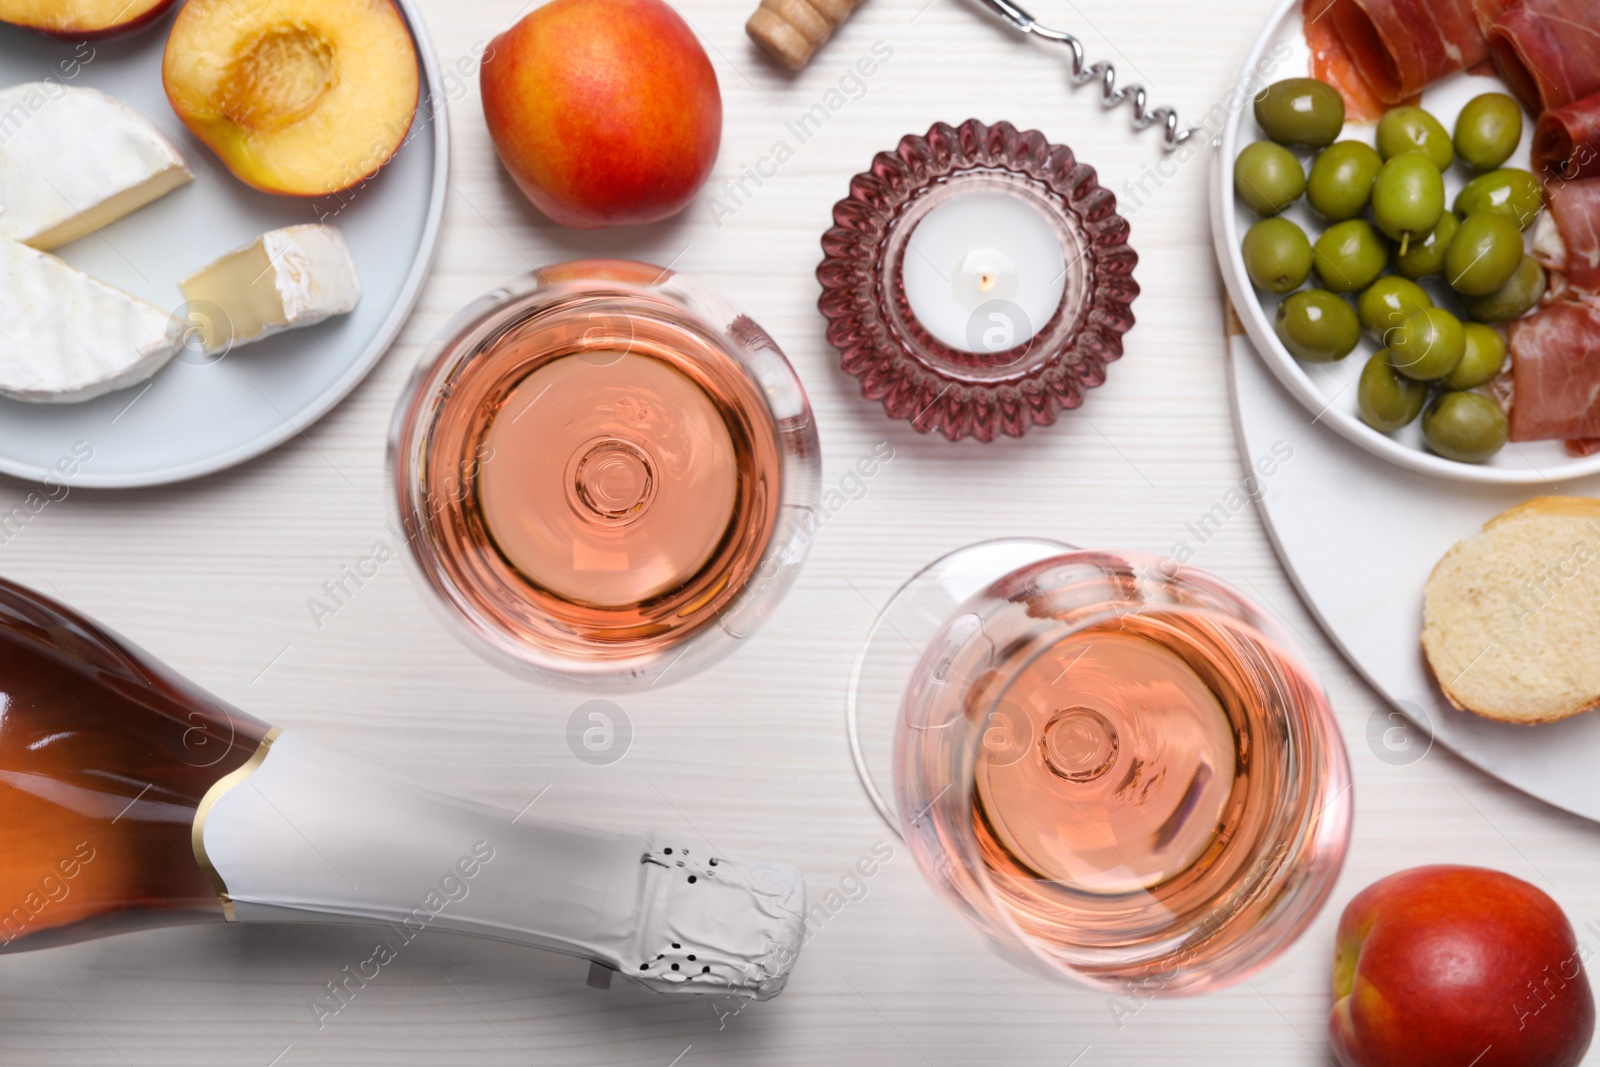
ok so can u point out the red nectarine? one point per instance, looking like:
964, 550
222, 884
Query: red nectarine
605, 112
297, 97
1458, 966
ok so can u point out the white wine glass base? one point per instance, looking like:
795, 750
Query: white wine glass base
896, 640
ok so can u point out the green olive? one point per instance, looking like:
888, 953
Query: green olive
1300, 111
1468, 427
1426, 256
1428, 344
1317, 326
1509, 191
1411, 129
1482, 357
1484, 254
1349, 255
1408, 198
1488, 130
1277, 255
1387, 400
1385, 303
1513, 299
1268, 177
1341, 180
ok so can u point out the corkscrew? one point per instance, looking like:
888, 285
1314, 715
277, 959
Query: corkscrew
792, 30
1084, 72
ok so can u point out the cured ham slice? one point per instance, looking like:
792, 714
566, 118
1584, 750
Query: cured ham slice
1331, 63
1555, 353
1487, 11
1566, 238
1402, 46
1555, 373
1566, 141
1548, 51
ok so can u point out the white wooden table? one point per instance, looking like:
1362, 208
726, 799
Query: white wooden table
214, 577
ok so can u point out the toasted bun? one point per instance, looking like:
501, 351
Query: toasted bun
1511, 616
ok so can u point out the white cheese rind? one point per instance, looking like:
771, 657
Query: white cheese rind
315, 275
73, 160
285, 279
65, 337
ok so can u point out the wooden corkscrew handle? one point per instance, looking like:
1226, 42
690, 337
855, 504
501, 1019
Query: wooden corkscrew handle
790, 31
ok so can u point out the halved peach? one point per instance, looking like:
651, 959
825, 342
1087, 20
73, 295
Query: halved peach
300, 97
79, 19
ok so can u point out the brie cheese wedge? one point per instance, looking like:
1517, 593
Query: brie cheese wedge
296, 276
66, 337
73, 160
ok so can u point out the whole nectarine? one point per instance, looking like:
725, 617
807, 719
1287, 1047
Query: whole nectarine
605, 112
1458, 966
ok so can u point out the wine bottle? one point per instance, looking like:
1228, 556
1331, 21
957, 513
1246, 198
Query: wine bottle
131, 799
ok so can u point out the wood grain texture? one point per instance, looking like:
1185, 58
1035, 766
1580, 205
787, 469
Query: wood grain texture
214, 577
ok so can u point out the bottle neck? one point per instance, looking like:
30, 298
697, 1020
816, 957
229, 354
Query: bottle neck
302, 834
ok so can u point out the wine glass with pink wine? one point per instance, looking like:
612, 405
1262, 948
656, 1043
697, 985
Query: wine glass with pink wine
605, 473
1114, 765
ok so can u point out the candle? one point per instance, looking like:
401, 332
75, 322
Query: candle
959, 292
984, 271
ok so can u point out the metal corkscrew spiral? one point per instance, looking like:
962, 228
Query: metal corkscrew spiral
1106, 74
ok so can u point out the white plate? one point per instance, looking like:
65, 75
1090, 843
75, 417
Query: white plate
194, 417
1359, 537
1328, 390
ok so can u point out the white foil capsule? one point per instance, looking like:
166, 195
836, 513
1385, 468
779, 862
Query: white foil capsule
307, 835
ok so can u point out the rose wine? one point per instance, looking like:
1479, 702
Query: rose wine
131, 799
610, 481
593, 477
1153, 787
1129, 780
104, 759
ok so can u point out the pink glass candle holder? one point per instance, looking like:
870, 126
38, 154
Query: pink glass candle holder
977, 280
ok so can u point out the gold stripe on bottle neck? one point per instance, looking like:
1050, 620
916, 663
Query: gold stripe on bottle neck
207, 802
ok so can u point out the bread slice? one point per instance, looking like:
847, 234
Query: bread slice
1511, 616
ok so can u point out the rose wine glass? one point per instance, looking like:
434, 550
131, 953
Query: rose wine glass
1114, 766
605, 473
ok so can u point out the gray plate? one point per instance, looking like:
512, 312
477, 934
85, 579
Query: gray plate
195, 417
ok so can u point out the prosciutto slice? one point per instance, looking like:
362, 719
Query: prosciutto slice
1548, 51
1566, 239
1402, 46
1566, 141
1331, 63
1555, 373
1555, 353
